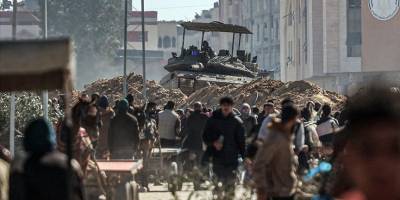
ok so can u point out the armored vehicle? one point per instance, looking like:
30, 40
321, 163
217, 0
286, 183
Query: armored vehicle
197, 67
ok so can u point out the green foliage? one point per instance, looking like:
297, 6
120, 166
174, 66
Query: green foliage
28, 106
94, 25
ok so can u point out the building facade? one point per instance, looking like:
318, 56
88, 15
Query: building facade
161, 39
337, 44
194, 37
266, 38
261, 17
135, 30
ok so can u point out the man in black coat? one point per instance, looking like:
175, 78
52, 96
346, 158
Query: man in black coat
225, 136
193, 131
123, 134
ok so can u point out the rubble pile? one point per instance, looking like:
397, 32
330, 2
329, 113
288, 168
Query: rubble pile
258, 91
155, 92
254, 93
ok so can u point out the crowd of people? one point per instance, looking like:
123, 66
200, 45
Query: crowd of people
277, 146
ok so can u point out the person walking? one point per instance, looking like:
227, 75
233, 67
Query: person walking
42, 173
106, 114
249, 122
123, 135
194, 130
265, 118
274, 169
169, 125
224, 135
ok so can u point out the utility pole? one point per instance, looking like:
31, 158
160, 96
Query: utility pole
144, 55
125, 87
12, 96
45, 93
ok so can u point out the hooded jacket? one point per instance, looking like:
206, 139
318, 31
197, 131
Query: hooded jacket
42, 173
232, 130
123, 133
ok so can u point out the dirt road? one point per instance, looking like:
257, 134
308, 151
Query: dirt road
161, 193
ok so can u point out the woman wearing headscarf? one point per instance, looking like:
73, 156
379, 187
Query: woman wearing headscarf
249, 122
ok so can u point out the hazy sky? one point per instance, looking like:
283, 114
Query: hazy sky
175, 9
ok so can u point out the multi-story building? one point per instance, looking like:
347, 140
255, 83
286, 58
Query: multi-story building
161, 39
262, 18
167, 38
194, 37
135, 30
230, 12
337, 43
266, 41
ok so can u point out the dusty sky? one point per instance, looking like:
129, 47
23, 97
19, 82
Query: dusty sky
175, 9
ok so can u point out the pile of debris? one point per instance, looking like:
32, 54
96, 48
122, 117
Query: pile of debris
258, 91
155, 92
254, 93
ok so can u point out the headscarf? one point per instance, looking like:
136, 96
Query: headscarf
245, 114
39, 137
103, 102
123, 106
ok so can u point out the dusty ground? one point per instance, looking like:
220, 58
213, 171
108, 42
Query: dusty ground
161, 193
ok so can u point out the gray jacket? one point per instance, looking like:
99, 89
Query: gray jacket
169, 124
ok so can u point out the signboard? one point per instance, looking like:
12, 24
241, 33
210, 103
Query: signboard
384, 9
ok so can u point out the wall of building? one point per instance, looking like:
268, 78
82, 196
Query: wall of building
314, 45
381, 44
167, 35
135, 30
262, 18
266, 22
194, 37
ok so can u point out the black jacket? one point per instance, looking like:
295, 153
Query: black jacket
44, 177
123, 132
193, 131
231, 128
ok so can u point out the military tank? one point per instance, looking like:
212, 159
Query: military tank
198, 67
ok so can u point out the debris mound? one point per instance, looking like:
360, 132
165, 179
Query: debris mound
112, 88
258, 91
254, 93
